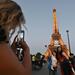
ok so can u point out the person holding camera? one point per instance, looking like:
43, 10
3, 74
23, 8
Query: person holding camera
11, 17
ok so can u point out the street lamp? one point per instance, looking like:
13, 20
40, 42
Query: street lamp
68, 40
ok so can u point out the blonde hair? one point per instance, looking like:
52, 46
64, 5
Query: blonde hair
11, 15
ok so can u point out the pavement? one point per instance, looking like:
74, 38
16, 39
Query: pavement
42, 71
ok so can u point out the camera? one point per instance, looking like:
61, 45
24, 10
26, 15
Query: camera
20, 51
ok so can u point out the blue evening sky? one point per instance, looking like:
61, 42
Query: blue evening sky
39, 21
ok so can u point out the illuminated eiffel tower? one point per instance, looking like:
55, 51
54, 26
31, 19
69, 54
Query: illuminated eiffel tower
56, 39
57, 47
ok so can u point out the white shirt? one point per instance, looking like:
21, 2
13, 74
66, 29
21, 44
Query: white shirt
54, 62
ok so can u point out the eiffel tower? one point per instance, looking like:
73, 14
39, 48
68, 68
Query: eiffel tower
57, 46
56, 40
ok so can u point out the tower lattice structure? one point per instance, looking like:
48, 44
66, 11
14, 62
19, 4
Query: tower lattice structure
56, 39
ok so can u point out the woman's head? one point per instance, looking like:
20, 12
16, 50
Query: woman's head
11, 15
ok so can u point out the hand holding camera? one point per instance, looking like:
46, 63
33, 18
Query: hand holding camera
19, 45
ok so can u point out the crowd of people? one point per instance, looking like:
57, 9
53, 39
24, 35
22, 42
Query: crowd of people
59, 62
